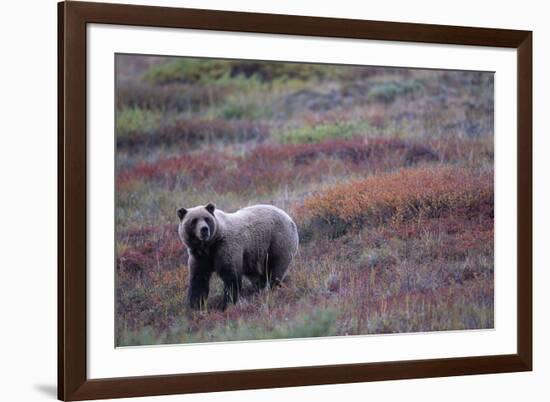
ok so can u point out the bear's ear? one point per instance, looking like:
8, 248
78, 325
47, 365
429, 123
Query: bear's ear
181, 213
210, 208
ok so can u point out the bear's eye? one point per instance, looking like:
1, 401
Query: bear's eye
194, 221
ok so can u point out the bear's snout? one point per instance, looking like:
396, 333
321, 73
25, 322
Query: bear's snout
204, 232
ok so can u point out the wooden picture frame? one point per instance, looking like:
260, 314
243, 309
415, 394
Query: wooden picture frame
73, 383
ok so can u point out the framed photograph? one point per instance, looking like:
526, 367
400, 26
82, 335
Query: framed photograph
253, 201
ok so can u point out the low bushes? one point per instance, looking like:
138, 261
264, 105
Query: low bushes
191, 132
141, 249
175, 97
244, 105
399, 196
130, 120
388, 91
204, 71
268, 166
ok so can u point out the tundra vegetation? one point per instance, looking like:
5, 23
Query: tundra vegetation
387, 172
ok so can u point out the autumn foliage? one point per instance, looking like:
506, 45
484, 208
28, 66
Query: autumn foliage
387, 172
421, 193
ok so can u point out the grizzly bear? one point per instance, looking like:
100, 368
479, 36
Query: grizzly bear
258, 242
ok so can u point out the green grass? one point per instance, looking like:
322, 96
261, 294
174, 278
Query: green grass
243, 106
323, 131
211, 71
185, 70
320, 322
131, 120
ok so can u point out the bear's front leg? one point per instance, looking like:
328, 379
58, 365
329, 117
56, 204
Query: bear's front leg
199, 283
232, 284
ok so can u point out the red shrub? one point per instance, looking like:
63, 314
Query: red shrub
149, 249
269, 166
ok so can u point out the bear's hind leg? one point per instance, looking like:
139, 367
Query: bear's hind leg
262, 276
259, 282
283, 247
276, 269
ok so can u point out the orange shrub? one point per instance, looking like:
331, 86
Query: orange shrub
401, 195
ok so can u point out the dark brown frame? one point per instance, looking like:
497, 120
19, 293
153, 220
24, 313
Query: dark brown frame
73, 383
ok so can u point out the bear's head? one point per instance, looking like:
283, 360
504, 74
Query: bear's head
198, 225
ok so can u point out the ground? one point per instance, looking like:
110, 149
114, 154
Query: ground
388, 174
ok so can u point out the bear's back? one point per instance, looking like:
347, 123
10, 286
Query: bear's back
256, 226
258, 215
